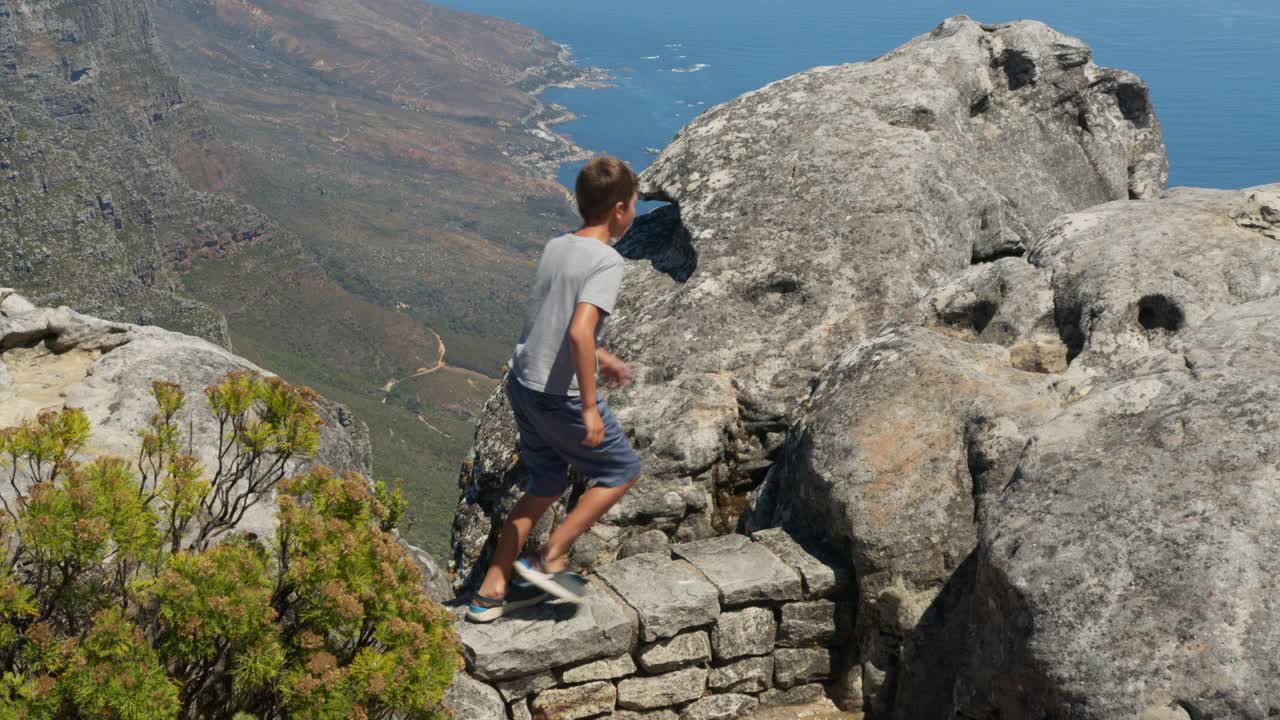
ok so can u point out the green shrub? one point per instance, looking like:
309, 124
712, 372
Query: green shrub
127, 593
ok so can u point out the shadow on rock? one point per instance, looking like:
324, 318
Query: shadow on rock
661, 238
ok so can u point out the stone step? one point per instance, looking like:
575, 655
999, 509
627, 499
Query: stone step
668, 596
743, 571
550, 635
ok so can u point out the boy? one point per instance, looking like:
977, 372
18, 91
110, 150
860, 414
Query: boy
552, 391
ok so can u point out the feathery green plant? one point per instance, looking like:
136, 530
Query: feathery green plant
126, 592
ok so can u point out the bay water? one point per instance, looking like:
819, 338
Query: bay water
1213, 65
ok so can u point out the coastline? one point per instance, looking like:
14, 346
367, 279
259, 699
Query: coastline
546, 116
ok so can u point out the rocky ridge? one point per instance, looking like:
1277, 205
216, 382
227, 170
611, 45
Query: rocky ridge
96, 214
955, 329
51, 358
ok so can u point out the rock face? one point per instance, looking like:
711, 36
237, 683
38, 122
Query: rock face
96, 215
936, 314
1115, 300
901, 438
53, 358
1133, 289
805, 216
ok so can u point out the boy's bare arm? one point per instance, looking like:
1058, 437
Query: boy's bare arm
582, 345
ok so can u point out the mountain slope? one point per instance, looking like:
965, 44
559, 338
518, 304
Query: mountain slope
92, 212
399, 141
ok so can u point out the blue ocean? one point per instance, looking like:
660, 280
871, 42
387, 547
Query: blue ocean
1212, 66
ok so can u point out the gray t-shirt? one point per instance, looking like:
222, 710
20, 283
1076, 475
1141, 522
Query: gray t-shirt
573, 269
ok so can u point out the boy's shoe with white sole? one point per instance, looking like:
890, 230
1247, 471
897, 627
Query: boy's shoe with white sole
519, 595
564, 584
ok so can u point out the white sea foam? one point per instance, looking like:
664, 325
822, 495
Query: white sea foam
691, 68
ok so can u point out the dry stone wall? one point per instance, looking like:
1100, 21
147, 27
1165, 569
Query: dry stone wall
707, 630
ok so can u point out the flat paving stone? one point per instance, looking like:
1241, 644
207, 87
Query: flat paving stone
665, 714
752, 675
668, 596
546, 636
795, 667
798, 695
743, 571
822, 572
525, 686
750, 631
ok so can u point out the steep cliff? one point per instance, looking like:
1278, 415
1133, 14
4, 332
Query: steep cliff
95, 214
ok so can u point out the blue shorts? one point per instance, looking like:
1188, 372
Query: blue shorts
551, 433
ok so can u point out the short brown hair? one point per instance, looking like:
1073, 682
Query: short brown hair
602, 183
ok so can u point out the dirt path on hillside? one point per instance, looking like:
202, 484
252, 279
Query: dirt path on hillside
440, 365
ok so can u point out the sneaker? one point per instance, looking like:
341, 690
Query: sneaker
564, 585
519, 595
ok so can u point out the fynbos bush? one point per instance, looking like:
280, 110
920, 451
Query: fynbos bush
126, 592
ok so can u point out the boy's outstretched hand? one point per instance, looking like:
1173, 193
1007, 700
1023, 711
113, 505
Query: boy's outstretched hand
613, 370
595, 427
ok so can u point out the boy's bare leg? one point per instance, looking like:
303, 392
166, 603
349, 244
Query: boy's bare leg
592, 505
515, 531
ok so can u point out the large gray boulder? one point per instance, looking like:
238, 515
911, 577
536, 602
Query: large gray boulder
52, 358
805, 216
1131, 564
918, 442
899, 446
